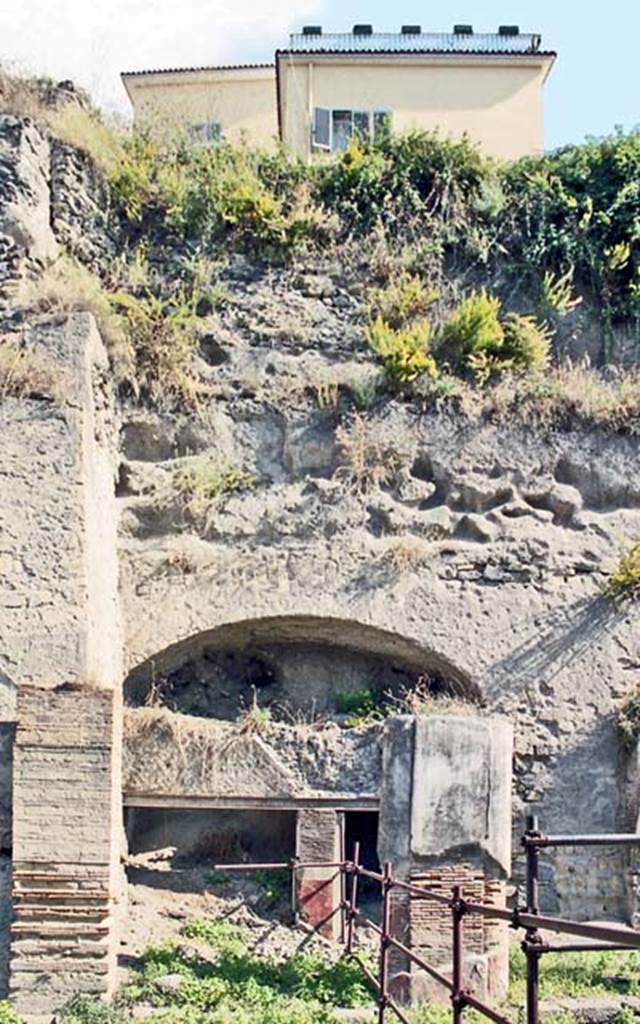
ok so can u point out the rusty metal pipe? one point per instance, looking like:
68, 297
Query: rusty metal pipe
353, 897
384, 943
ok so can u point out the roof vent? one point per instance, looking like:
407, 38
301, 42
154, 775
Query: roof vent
411, 30
363, 30
463, 30
312, 30
509, 30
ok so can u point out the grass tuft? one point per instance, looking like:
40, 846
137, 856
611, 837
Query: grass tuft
28, 374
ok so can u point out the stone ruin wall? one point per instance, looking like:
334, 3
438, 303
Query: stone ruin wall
507, 538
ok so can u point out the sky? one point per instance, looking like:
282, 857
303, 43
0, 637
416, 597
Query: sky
594, 86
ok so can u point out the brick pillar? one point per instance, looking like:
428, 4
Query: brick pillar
318, 889
65, 850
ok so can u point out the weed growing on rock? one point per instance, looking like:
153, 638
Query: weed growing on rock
253, 720
628, 718
28, 374
367, 458
402, 351
201, 482
404, 299
163, 343
624, 581
406, 554
66, 287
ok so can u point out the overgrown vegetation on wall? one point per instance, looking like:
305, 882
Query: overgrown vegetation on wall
470, 267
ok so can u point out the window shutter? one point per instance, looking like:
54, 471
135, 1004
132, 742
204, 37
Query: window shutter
321, 134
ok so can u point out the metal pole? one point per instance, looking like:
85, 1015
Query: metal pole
457, 996
353, 897
532, 935
343, 879
383, 996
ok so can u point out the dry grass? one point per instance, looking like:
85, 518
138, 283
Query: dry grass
420, 700
68, 117
367, 460
67, 287
28, 374
201, 482
407, 553
563, 397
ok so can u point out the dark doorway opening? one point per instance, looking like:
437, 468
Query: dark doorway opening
362, 827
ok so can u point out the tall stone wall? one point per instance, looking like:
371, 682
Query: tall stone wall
60, 655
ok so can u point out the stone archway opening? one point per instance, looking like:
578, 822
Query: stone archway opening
275, 737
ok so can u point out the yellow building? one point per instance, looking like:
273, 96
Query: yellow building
324, 88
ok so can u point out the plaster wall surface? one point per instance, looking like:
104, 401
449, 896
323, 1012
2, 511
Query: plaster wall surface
241, 101
497, 103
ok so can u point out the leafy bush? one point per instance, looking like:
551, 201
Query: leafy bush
403, 300
364, 707
87, 1010
624, 581
526, 345
402, 351
7, 1014
472, 331
207, 193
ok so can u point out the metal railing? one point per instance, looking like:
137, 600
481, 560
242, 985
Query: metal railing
527, 918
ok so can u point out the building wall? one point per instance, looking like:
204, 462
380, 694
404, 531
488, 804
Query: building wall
242, 101
499, 105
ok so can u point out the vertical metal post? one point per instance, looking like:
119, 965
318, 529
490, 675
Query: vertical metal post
383, 997
343, 881
532, 935
353, 897
457, 995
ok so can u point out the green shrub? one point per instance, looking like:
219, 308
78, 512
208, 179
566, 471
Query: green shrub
87, 1010
405, 299
404, 351
363, 707
7, 1014
473, 330
526, 345
578, 974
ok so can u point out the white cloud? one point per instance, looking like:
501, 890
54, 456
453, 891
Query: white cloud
92, 41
